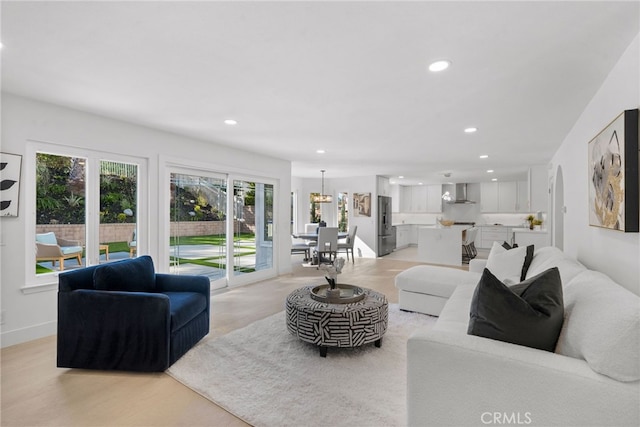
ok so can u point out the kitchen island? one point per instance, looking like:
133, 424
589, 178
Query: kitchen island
441, 245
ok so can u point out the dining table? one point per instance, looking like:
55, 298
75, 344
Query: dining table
314, 237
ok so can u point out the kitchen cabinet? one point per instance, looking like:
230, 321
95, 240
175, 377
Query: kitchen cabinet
418, 198
539, 186
489, 196
525, 237
405, 198
406, 235
384, 188
403, 236
413, 234
495, 233
395, 198
434, 198
523, 197
504, 197
507, 196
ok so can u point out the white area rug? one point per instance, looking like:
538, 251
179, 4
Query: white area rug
267, 377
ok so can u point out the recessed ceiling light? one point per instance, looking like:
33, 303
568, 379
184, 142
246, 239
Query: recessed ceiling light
490, 171
484, 156
494, 179
470, 130
401, 177
230, 122
439, 66
320, 151
420, 183
1, 45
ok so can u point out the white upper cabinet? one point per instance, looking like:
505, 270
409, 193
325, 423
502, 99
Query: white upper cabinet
504, 197
523, 197
405, 198
395, 198
507, 196
434, 198
418, 198
384, 187
489, 196
539, 179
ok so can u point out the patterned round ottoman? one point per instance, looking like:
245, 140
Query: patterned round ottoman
337, 325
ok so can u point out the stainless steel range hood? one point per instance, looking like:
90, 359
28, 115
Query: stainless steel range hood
460, 196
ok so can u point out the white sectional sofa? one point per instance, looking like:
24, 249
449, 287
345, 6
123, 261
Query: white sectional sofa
592, 378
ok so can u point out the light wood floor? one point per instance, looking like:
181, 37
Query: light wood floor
36, 393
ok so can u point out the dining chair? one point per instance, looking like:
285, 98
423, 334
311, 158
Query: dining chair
311, 228
468, 244
347, 244
327, 243
298, 247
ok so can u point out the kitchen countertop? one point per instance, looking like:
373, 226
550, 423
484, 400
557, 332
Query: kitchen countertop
527, 230
502, 225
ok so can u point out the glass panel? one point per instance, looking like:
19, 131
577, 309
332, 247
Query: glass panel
314, 209
60, 212
198, 226
343, 211
293, 213
118, 210
253, 227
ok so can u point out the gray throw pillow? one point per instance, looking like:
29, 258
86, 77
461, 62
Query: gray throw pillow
529, 313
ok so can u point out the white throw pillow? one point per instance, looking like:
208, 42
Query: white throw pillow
601, 325
505, 264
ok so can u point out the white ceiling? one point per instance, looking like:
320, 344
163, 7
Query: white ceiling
347, 77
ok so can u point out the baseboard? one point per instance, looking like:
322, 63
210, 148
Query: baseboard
19, 336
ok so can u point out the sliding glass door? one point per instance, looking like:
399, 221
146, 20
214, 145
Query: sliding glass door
232, 248
253, 227
197, 243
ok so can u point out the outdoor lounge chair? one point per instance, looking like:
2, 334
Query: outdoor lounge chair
50, 248
133, 245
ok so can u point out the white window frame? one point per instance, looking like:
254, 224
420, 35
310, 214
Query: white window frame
168, 165
49, 281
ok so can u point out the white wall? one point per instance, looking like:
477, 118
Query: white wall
366, 238
611, 252
32, 315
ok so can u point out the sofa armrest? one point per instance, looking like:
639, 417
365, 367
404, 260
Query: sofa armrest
458, 379
477, 265
184, 283
111, 329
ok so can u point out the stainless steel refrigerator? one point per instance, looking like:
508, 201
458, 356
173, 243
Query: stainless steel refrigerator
386, 232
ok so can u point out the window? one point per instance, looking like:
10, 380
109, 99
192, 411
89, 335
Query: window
86, 208
60, 212
118, 210
343, 211
314, 209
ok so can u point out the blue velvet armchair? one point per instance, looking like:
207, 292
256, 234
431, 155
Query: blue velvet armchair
124, 316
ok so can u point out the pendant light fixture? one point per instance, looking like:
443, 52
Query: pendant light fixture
323, 198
